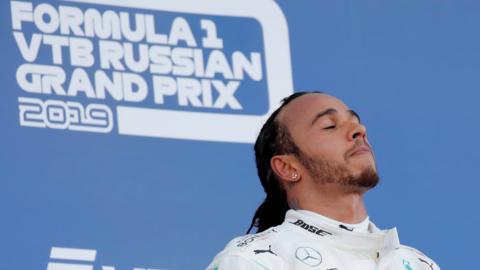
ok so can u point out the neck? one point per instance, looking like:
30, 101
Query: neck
334, 202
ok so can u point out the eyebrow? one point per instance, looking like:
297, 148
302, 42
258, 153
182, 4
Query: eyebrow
331, 111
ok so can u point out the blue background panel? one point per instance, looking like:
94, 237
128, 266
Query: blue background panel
409, 68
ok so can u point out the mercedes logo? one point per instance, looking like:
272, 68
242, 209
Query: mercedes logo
308, 256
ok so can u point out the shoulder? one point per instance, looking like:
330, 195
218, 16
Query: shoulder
253, 251
417, 258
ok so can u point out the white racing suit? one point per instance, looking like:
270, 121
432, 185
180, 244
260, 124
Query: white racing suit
305, 241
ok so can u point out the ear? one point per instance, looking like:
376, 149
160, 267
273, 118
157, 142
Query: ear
284, 166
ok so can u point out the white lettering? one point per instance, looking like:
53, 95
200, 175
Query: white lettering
226, 95
134, 87
211, 40
21, 11
142, 63
79, 82
241, 64
161, 63
105, 26
113, 86
81, 52
152, 36
49, 25
111, 52
217, 63
181, 31
182, 58
189, 91
133, 35
29, 52
71, 18
43, 79
56, 42
163, 86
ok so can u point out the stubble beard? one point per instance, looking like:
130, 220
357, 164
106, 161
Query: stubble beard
325, 172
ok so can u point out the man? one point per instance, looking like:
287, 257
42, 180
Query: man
315, 164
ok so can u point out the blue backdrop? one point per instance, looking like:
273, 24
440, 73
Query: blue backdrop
162, 176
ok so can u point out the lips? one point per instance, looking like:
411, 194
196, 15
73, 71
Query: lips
360, 150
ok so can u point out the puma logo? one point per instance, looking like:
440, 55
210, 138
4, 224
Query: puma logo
269, 250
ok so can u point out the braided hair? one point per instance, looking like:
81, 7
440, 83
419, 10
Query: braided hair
274, 139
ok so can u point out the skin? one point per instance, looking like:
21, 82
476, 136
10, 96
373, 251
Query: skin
337, 138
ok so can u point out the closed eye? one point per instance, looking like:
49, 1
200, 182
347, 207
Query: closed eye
330, 127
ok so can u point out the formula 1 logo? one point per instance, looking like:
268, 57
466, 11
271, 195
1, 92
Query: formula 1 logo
208, 70
62, 258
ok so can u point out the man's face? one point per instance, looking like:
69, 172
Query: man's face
332, 141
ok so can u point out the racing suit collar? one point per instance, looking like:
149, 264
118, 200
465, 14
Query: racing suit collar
363, 226
374, 244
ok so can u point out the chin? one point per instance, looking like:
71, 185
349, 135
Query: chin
367, 179
363, 167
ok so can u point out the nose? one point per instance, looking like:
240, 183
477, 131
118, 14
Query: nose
357, 131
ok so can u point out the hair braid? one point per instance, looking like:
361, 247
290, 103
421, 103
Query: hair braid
274, 139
